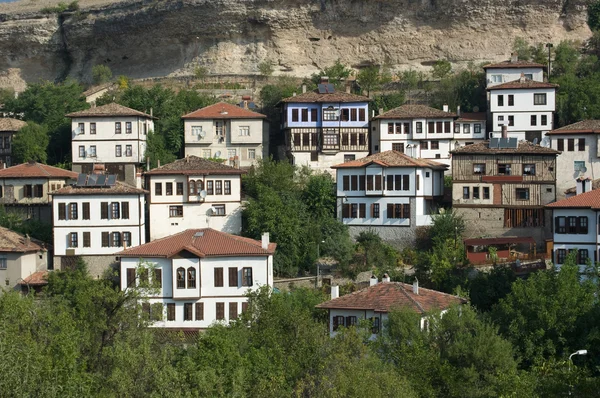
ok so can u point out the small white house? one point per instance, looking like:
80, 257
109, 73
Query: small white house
508, 71
376, 301
95, 219
22, 259
226, 131
194, 193
202, 276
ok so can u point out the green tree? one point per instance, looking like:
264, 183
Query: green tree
522, 48
372, 78
336, 73
594, 15
266, 68
101, 74
373, 252
486, 289
441, 69
31, 144
388, 101
200, 72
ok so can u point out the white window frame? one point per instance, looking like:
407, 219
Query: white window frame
3, 263
245, 131
252, 154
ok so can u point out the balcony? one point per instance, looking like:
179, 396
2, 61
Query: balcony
328, 139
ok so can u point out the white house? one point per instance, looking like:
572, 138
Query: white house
389, 192
376, 301
96, 218
508, 71
202, 275
576, 222
194, 193
424, 132
325, 127
112, 135
228, 132
579, 157
8, 128
22, 259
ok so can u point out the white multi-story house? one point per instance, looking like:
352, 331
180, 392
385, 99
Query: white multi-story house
25, 188
424, 132
8, 128
22, 260
325, 127
201, 276
96, 218
509, 71
112, 135
376, 301
576, 227
579, 153
194, 193
228, 132
389, 192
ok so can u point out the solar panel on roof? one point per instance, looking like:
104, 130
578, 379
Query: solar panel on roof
503, 143
112, 179
101, 180
330, 88
512, 142
91, 181
494, 143
322, 88
81, 180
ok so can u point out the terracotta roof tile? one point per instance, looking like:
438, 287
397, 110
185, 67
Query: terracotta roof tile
503, 240
522, 84
194, 165
472, 117
385, 296
586, 200
223, 110
584, 126
415, 112
205, 242
112, 109
316, 97
120, 188
524, 147
10, 124
11, 241
391, 159
514, 65
36, 170
39, 278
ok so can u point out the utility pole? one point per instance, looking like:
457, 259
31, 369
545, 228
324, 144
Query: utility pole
549, 47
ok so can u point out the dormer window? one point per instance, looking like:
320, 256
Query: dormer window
181, 278
191, 278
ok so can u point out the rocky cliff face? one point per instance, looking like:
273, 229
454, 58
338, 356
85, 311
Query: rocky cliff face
158, 38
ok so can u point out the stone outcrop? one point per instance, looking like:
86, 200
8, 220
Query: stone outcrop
160, 38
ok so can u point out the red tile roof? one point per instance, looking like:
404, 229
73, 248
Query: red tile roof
120, 188
316, 97
223, 110
11, 241
472, 117
194, 165
36, 170
39, 278
391, 159
524, 147
112, 109
10, 124
415, 112
522, 84
205, 242
586, 200
514, 65
385, 296
582, 127
502, 240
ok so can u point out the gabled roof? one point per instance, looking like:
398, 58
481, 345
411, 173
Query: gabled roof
10, 124
205, 242
120, 188
415, 112
11, 241
524, 147
316, 97
391, 159
586, 200
514, 65
223, 110
194, 165
522, 84
472, 117
385, 296
39, 278
112, 109
36, 170
582, 127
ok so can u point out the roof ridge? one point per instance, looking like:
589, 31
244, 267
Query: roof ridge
406, 293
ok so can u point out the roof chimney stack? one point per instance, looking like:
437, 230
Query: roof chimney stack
514, 58
348, 87
324, 79
373, 281
504, 131
386, 278
303, 88
265, 241
445, 107
458, 110
416, 286
335, 292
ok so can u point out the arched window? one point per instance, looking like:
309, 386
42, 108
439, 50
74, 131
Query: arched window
192, 187
191, 276
181, 278
199, 186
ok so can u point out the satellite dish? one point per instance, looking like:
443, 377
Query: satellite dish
202, 194
218, 154
535, 141
202, 134
210, 211
583, 169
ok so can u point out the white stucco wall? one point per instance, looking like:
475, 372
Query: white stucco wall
512, 74
522, 110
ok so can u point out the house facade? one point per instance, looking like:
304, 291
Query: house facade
501, 188
325, 127
20, 258
228, 132
579, 153
389, 192
201, 276
424, 132
111, 135
25, 188
194, 193
509, 71
94, 219
8, 128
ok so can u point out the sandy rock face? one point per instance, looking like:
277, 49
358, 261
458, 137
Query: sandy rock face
146, 39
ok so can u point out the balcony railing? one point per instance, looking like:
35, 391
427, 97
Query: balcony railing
327, 139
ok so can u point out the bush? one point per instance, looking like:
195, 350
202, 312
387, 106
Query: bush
101, 74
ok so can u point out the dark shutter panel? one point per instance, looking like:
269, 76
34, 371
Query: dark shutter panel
233, 311
199, 311
406, 182
406, 210
233, 277
130, 277
157, 277
104, 210
85, 208
62, 211
346, 183
125, 210
361, 183
390, 210
346, 211
105, 241
362, 210
418, 181
556, 225
218, 277
245, 307
335, 323
372, 210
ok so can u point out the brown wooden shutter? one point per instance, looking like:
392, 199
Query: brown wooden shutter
335, 323
346, 183
105, 239
406, 182
406, 210
390, 182
125, 210
218, 277
378, 183
390, 210
346, 211
62, 211
245, 306
361, 183
362, 210
418, 181
372, 210
313, 115
111, 240
85, 209
233, 277
130, 277
220, 311
233, 311
104, 210
157, 277
199, 311
170, 311
86, 239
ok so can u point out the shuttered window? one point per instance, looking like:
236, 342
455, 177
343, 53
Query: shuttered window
220, 309
199, 311
233, 311
233, 277
157, 279
405, 182
187, 312
130, 277
245, 307
125, 210
362, 210
346, 211
346, 183
337, 322
170, 311
401, 210
86, 239
85, 209
219, 277
105, 239
62, 211
247, 279
104, 210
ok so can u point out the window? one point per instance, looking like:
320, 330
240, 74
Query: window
529, 169
85, 210
92, 151
86, 239
582, 256
158, 188
496, 78
199, 311
351, 321
81, 128
500, 100
117, 127
419, 127
92, 128
209, 188
245, 131
561, 255
218, 187
361, 115
571, 144
583, 225
295, 114
466, 192
431, 127
533, 120
424, 145
354, 210
191, 278
73, 239
196, 130
176, 211
105, 239
477, 128
180, 278
115, 238
395, 211
220, 310
435, 145
572, 225
170, 311
38, 190
233, 311
466, 128
500, 121
127, 127
457, 128
126, 239
227, 187
539, 99
128, 150
375, 210
247, 279
118, 152
314, 115
233, 277
446, 127
187, 311
486, 192
218, 210
581, 144
218, 277
346, 183
511, 120
390, 128
169, 188
522, 193
515, 218
72, 211
560, 144
578, 165
344, 113
479, 168
544, 120
398, 147
349, 158
362, 210
115, 211
3, 263
560, 225
206, 153
82, 152
374, 325
504, 169
179, 188
251, 154
511, 100
28, 191
337, 322
330, 114
438, 127
475, 192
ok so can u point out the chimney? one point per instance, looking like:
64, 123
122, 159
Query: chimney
27, 240
335, 292
445, 107
458, 110
3, 166
381, 111
373, 281
514, 58
294, 94
348, 87
522, 79
324, 79
504, 131
158, 163
265, 241
583, 185
151, 113
386, 278
303, 88
416, 286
